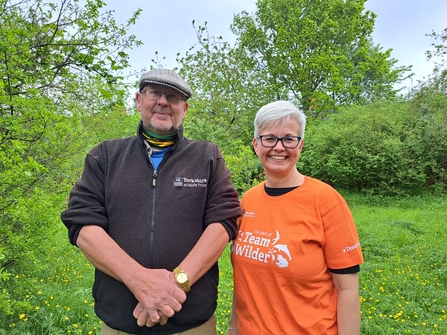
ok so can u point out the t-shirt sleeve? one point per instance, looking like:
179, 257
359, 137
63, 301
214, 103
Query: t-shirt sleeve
341, 242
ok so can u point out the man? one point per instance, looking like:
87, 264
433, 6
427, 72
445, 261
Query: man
153, 213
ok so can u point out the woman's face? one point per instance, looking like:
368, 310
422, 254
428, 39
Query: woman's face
279, 161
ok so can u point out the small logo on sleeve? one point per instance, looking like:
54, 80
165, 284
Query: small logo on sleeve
352, 247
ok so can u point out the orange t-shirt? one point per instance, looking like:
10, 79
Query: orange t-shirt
282, 255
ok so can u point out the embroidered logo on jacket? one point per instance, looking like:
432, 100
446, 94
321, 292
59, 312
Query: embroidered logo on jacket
190, 182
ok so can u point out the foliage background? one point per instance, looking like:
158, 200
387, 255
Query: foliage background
62, 92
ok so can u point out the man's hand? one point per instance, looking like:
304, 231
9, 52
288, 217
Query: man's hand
143, 318
158, 296
153, 288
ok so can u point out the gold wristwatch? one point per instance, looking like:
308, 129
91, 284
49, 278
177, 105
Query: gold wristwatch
182, 278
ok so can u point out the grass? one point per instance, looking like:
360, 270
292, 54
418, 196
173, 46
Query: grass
403, 283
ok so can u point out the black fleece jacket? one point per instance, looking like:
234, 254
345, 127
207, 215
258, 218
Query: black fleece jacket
156, 216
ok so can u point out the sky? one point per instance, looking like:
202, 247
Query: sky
166, 27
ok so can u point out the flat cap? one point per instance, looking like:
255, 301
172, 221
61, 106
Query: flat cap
166, 77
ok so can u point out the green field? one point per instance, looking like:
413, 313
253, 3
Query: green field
403, 282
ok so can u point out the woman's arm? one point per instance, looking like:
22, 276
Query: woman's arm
348, 306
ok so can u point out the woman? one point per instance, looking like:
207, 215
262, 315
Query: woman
297, 255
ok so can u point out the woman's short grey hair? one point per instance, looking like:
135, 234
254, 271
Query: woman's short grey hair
279, 113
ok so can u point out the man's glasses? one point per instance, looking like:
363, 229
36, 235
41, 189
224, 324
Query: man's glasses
172, 98
270, 141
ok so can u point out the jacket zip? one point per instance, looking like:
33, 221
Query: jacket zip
154, 191
154, 184
154, 201
152, 228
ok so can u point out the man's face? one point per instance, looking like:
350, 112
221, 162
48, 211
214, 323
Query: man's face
160, 116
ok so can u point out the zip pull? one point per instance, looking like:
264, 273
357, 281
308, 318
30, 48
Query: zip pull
154, 178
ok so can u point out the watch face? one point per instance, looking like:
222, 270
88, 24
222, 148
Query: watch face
182, 277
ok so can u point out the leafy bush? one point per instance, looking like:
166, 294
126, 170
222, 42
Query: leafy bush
429, 107
33, 222
383, 148
246, 170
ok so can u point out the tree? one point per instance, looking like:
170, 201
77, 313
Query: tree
439, 78
319, 50
226, 94
59, 63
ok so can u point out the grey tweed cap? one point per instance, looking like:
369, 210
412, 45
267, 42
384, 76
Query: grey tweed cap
166, 77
